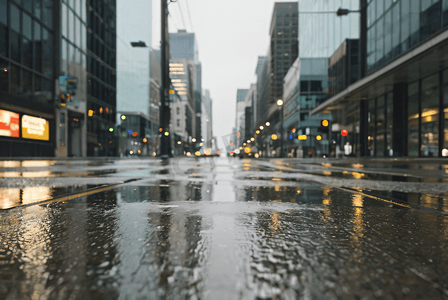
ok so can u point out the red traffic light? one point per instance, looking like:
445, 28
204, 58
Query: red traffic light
344, 132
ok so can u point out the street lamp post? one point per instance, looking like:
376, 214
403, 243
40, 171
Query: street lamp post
165, 141
280, 107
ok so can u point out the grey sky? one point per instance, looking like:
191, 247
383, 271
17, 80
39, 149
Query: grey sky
231, 34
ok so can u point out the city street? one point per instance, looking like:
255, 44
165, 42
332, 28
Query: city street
224, 228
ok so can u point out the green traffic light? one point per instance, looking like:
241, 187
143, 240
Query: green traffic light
167, 133
111, 129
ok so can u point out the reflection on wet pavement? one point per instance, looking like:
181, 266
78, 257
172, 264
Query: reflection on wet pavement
216, 230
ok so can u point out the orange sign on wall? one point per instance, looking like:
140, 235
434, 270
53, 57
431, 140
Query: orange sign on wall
9, 123
35, 128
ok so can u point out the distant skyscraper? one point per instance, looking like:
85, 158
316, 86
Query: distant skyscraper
240, 114
184, 51
133, 63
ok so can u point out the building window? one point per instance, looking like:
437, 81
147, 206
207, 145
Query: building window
413, 119
430, 117
445, 113
178, 122
380, 127
177, 110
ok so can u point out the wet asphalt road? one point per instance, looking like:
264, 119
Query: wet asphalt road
223, 229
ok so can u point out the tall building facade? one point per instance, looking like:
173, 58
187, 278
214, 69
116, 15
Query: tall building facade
240, 115
185, 61
207, 118
101, 77
306, 84
46, 54
134, 55
399, 108
282, 52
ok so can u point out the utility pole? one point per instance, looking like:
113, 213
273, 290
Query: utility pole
165, 140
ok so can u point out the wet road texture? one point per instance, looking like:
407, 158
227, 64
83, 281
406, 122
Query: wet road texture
223, 228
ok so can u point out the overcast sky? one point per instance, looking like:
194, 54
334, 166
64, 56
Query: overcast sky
231, 34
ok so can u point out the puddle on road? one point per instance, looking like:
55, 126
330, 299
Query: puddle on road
13, 197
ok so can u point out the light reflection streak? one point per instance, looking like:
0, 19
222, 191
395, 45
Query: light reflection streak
274, 221
358, 225
9, 198
35, 194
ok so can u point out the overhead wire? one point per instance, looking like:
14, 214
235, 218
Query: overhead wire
189, 15
182, 15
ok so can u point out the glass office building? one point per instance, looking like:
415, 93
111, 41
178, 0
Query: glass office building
101, 77
402, 101
27, 70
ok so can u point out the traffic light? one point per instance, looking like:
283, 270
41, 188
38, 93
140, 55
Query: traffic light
62, 100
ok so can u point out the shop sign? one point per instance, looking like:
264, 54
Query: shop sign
9, 123
35, 128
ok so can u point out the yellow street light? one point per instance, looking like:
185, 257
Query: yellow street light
268, 124
279, 102
252, 139
318, 137
274, 137
257, 132
261, 127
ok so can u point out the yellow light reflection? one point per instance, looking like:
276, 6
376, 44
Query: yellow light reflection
276, 179
326, 202
37, 163
35, 194
358, 166
10, 174
326, 165
357, 175
326, 190
358, 226
277, 188
274, 221
246, 165
9, 164
328, 173
36, 174
9, 198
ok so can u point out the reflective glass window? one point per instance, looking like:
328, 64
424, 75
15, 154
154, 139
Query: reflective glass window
83, 10
16, 43
64, 20
430, 116
83, 38
64, 58
71, 60
388, 35
47, 51
4, 82
15, 76
71, 25
37, 8
379, 8
28, 4
371, 119
396, 24
27, 86
430, 17
413, 119
77, 33
445, 113
3, 11
415, 22
380, 127
405, 25
15, 18
389, 124
27, 46
47, 89
37, 47
370, 14
445, 12
27, 27
4, 33
48, 13
387, 4
379, 40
